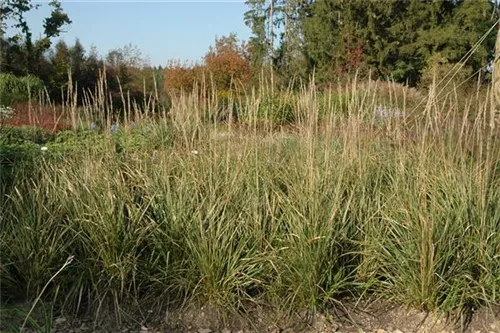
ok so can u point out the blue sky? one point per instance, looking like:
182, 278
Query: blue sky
162, 30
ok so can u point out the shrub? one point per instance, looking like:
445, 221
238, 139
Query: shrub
14, 89
11, 135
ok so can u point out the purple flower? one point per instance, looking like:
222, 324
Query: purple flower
384, 113
114, 128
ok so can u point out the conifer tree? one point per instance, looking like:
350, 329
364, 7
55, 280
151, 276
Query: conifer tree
391, 39
61, 64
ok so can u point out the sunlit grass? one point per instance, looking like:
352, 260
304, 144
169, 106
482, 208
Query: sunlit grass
343, 202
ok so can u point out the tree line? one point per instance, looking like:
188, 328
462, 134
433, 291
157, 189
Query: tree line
57, 64
408, 41
401, 40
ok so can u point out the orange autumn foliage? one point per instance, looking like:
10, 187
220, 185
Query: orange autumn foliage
228, 63
181, 76
225, 65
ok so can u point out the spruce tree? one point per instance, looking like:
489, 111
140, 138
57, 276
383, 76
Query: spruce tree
391, 39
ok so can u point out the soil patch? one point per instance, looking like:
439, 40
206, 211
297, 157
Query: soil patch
372, 317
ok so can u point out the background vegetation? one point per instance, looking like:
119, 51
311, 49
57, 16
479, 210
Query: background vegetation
293, 40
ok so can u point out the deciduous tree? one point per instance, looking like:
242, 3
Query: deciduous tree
24, 52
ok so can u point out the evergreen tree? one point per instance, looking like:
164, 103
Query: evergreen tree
322, 22
93, 64
291, 60
61, 64
392, 39
256, 18
77, 62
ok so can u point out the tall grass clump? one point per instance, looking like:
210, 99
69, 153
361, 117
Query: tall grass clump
355, 195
